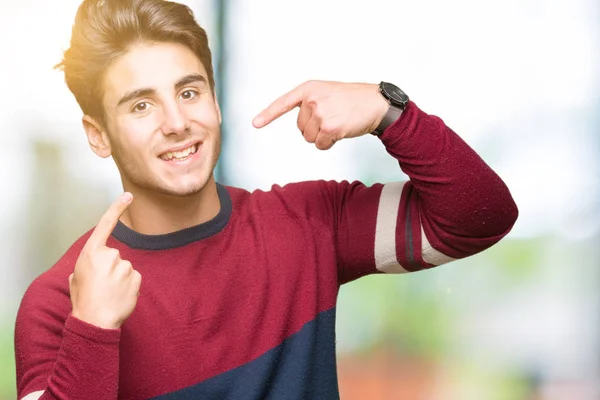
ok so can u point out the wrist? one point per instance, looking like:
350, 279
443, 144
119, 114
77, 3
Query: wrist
396, 100
382, 108
392, 115
99, 321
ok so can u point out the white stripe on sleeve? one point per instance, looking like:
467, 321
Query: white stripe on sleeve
431, 255
385, 229
385, 234
34, 395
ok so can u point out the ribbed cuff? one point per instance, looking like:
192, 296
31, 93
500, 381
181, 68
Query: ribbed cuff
91, 332
404, 124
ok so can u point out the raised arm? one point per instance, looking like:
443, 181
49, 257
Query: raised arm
452, 207
68, 326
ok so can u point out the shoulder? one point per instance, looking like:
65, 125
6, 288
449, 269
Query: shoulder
284, 198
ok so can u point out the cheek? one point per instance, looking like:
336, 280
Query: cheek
135, 135
205, 113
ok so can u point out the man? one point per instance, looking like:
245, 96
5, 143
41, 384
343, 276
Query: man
239, 289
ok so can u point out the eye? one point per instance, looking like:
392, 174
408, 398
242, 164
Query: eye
188, 94
141, 107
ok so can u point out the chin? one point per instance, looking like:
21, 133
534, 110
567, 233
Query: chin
184, 189
180, 191
179, 185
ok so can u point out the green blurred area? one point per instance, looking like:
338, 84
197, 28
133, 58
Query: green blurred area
7, 363
418, 321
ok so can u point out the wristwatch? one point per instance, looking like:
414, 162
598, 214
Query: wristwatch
398, 101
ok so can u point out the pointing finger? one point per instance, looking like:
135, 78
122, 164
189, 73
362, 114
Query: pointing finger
282, 105
108, 221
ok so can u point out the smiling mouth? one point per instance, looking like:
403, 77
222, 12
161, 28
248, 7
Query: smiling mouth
180, 155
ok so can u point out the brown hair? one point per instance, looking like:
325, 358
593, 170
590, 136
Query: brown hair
104, 30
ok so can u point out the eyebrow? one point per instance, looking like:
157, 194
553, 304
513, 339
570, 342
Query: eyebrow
191, 78
137, 93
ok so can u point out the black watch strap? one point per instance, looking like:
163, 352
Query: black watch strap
391, 116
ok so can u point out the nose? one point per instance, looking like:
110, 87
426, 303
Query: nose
175, 121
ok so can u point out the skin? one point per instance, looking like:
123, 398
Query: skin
104, 288
329, 111
157, 99
169, 196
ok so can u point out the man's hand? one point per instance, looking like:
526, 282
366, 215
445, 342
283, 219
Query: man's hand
329, 111
104, 288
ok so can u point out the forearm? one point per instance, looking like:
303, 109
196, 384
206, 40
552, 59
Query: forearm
464, 206
86, 367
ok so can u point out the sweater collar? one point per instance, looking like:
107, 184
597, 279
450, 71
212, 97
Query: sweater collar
179, 238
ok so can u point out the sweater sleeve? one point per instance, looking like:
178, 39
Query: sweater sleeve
59, 356
452, 207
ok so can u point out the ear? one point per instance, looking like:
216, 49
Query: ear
217, 106
97, 138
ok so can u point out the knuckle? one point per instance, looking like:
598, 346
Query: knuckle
318, 112
311, 83
137, 278
328, 127
125, 269
311, 100
112, 254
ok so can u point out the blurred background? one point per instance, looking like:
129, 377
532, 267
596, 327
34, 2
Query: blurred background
519, 80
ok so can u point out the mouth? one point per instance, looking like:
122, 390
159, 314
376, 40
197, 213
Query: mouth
180, 155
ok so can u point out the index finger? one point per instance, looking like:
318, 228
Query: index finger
108, 221
282, 105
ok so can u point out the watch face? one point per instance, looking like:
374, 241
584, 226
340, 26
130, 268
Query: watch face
395, 94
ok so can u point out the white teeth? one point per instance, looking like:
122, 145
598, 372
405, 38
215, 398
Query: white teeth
179, 154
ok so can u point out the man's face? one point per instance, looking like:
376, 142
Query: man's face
162, 120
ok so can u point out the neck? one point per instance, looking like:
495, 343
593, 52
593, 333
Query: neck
153, 213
